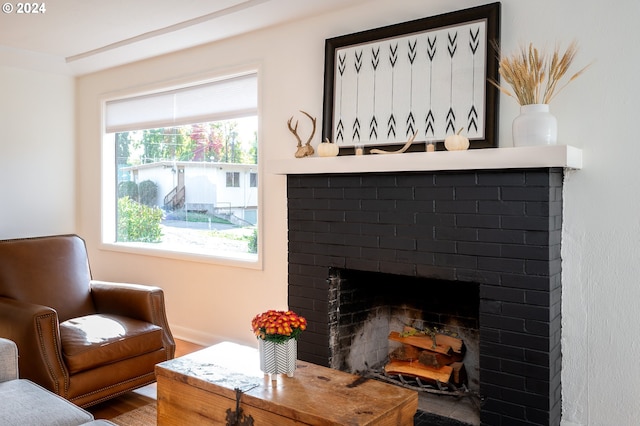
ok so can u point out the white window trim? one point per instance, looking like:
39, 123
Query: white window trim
108, 178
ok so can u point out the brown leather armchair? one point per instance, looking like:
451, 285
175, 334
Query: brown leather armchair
82, 339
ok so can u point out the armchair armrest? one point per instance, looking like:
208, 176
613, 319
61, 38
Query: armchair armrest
36, 332
142, 302
8, 360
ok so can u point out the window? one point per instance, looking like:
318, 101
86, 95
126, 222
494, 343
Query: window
253, 180
233, 179
178, 159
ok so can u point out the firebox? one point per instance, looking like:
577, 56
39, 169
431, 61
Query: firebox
493, 233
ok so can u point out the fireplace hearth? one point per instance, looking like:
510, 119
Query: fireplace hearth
496, 230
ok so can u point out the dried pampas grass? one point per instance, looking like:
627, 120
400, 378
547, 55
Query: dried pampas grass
534, 77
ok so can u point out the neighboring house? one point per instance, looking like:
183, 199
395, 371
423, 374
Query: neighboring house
216, 188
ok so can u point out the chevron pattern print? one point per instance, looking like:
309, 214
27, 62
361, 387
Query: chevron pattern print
430, 82
474, 43
278, 358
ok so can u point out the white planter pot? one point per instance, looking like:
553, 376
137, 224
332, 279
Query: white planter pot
278, 358
535, 126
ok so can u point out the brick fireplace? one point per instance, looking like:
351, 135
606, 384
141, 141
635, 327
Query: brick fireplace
498, 229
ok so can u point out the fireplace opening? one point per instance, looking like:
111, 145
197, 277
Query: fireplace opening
370, 314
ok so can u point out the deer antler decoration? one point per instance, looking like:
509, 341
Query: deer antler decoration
306, 149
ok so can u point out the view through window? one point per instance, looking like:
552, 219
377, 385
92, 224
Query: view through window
189, 187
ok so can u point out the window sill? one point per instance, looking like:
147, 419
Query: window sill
248, 261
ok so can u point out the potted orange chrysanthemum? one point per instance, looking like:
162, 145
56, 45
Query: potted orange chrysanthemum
277, 333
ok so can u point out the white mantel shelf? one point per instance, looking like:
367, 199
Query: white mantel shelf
564, 156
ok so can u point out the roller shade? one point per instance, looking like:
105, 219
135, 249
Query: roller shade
219, 100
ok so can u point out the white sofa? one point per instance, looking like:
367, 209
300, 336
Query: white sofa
26, 403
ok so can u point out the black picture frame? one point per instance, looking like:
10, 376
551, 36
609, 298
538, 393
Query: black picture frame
354, 61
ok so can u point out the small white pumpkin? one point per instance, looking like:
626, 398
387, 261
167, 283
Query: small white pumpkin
456, 142
328, 149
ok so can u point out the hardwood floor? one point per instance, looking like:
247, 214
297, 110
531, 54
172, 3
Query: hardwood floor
139, 397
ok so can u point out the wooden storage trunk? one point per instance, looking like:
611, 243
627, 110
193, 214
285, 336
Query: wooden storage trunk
200, 388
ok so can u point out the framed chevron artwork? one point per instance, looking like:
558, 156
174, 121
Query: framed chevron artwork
426, 77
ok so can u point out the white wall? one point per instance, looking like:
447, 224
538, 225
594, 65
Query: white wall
37, 154
597, 113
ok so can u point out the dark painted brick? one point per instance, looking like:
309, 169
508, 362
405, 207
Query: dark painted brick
537, 357
525, 370
360, 193
347, 227
537, 178
395, 193
501, 236
415, 206
478, 249
508, 208
477, 193
498, 351
501, 178
431, 246
537, 298
377, 254
414, 231
397, 217
489, 334
525, 252
477, 221
330, 238
530, 400
344, 181
528, 223
515, 411
379, 180
502, 323
331, 193
456, 234
525, 281
393, 267
517, 310
502, 379
397, 243
502, 265
535, 385
455, 260
435, 272
435, 219
477, 276
536, 208
455, 179
444, 206
522, 340
431, 194
489, 364
330, 216
378, 229
344, 204
415, 256
540, 328
525, 194
378, 205
490, 306
499, 219
362, 264
357, 217
301, 236
504, 294
364, 240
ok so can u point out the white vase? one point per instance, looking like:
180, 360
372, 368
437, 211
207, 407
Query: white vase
535, 126
278, 358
